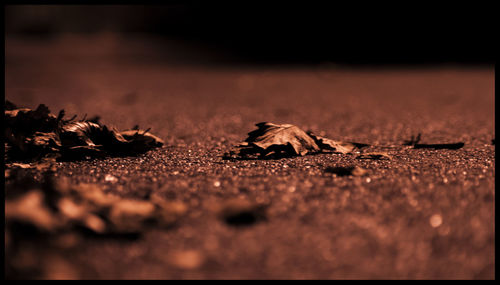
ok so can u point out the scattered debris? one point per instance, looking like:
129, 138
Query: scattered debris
375, 155
58, 206
30, 208
414, 141
277, 141
346, 171
34, 134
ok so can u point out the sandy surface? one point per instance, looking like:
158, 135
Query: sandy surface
424, 214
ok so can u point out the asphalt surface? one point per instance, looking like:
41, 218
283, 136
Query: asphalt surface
424, 214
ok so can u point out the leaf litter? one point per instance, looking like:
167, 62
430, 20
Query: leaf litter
36, 134
58, 206
44, 207
38, 138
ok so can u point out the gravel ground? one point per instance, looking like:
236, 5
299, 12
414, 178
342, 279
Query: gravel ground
424, 214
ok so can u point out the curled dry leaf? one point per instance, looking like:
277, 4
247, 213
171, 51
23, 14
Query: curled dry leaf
141, 140
26, 121
31, 134
328, 145
375, 155
280, 140
275, 141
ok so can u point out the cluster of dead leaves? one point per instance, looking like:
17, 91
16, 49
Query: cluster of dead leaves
33, 134
58, 206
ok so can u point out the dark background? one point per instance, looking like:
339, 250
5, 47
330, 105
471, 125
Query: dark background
359, 32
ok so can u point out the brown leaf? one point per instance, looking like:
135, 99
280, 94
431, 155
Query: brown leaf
286, 138
142, 140
328, 145
90, 134
375, 155
90, 138
25, 121
36, 133
275, 141
272, 140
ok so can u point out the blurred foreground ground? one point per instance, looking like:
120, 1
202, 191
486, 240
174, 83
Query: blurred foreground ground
424, 214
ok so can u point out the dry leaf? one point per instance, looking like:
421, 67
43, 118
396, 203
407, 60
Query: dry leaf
375, 155
32, 134
275, 141
328, 145
284, 139
141, 140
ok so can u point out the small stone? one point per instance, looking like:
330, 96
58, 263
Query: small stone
436, 220
110, 178
187, 259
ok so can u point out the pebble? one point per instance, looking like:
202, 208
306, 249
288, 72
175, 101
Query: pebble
436, 220
187, 259
110, 178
